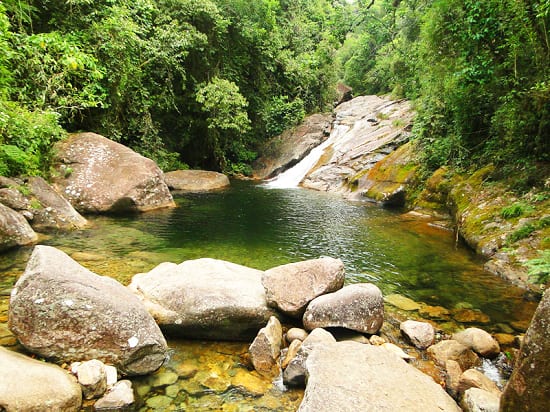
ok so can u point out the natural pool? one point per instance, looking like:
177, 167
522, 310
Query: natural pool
261, 228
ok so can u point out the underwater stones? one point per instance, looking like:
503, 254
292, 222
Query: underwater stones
453, 350
98, 175
249, 384
290, 288
266, 347
434, 312
402, 302
205, 298
341, 374
479, 341
63, 311
421, 334
470, 316
358, 307
195, 180
31, 385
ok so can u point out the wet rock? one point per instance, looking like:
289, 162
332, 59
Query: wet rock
296, 333
472, 378
529, 385
31, 385
291, 353
61, 310
14, 229
358, 307
92, 377
98, 175
295, 372
266, 347
479, 341
478, 400
434, 312
451, 349
249, 384
421, 334
55, 212
159, 402
505, 339
119, 398
348, 376
470, 316
205, 298
195, 180
291, 287
163, 378
402, 302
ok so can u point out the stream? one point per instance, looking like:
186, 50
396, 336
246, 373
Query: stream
262, 227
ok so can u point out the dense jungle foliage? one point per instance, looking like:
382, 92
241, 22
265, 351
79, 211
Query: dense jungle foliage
204, 82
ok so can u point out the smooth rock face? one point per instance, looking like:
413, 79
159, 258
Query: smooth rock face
98, 175
205, 298
30, 385
421, 334
451, 349
358, 307
14, 229
472, 378
56, 212
296, 334
61, 310
478, 400
266, 347
349, 376
195, 180
291, 287
479, 341
529, 385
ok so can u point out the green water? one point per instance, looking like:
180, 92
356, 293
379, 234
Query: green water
261, 228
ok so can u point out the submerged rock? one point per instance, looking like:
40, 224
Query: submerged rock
14, 229
205, 298
349, 376
291, 287
30, 385
358, 307
195, 180
98, 175
61, 310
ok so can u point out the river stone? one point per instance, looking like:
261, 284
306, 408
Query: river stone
98, 175
358, 307
205, 298
479, 341
529, 385
56, 212
295, 372
29, 385
195, 180
421, 334
119, 398
14, 229
478, 400
291, 353
349, 376
402, 302
451, 349
472, 378
291, 287
471, 316
295, 333
63, 311
266, 347
453, 372
92, 377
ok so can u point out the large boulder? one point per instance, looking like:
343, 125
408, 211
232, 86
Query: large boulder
205, 298
195, 180
350, 376
529, 385
291, 287
98, 175
61, 310
14, 229
28, 385
53, 211
358, 307
479, 341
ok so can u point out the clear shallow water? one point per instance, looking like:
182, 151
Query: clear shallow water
261, 228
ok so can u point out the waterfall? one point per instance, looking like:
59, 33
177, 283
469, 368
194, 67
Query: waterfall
293, 176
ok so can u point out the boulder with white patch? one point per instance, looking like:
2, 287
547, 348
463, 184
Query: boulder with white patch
62, 311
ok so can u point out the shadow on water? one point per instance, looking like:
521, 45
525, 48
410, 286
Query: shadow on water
261, 228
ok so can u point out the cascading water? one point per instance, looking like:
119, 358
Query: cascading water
292, 177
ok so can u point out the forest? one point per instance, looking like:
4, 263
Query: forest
202, 83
